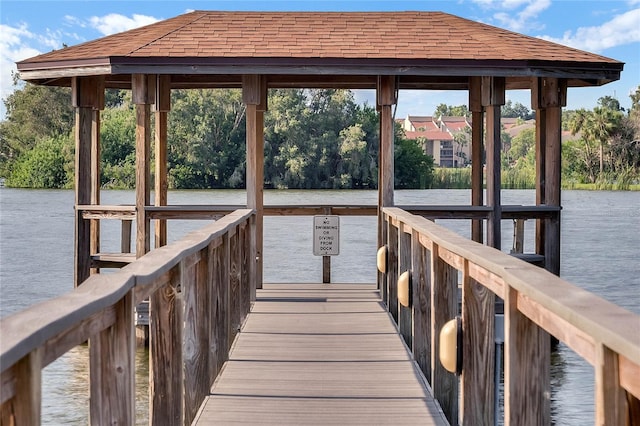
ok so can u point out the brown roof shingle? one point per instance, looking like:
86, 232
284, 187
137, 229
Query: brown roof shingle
320, 38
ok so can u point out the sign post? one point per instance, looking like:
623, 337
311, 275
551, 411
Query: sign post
326, 241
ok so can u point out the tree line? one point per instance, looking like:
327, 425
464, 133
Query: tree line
313, 139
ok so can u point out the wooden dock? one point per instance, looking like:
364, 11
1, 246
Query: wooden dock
320, 354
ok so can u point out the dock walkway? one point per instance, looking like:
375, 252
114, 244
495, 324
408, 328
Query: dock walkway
319, 354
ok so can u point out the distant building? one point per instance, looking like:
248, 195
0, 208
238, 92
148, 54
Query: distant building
445, 139
448, 139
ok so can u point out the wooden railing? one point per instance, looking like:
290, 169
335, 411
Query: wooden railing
199, 288
536, 304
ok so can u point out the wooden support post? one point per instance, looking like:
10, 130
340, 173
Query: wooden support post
392, 269
165, 360
87, 97
162, 108
421, 287
478, 334
95, 182
444, 307
405, 314
112, 369
477, 149
548, 96
526, 368
541, 135
493, 95
143, 87
386, 97
254, 96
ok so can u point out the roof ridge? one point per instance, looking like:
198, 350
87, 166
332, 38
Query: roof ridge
201, 14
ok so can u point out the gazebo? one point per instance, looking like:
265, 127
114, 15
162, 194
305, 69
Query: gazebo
256, 51
388, 52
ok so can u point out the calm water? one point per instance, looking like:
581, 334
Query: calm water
600, 237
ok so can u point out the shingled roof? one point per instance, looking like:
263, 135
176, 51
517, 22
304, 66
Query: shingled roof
416, 45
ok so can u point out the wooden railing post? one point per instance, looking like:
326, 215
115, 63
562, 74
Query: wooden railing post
392, 268
444, 307
234, 294
611, 399
526, 367
478, 372
245, 279
165, 361
195, 344
221, 321
28, 392
421, 287
112, 369
404, 264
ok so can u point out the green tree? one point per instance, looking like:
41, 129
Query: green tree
517, 110
413, 168
44, 166
206, 140
34, 113
444, 110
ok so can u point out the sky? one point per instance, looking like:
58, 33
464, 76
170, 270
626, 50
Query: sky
606, 27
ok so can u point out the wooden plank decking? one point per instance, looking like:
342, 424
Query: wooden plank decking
319, 354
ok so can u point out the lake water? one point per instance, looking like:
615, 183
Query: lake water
600, 243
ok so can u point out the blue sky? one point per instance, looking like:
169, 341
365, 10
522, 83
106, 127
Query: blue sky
610, 28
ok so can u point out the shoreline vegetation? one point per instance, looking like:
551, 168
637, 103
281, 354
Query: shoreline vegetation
460, 178
314, 139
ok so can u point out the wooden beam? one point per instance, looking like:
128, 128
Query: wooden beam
95, 182
254, 95
162, 107
143, 88
477, 149
493, 95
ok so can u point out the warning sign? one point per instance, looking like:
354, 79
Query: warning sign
326, 235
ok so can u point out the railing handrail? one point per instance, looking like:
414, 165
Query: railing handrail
612, 325
200, 211
57, 325
537, 304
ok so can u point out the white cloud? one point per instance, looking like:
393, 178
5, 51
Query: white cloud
16, 44
116, 23
622, 29
526, 18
